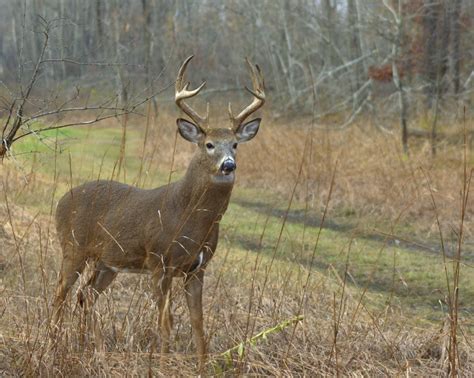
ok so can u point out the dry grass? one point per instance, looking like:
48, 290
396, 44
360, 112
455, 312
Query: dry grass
376, 191
374, 179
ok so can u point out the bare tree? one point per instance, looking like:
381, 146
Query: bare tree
455, 8
342, 42
23, 110
396, 47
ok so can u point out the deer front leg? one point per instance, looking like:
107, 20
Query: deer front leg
162, 280
193, 289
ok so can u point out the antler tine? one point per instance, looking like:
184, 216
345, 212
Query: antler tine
254, 73
258, 93
229, 109
182, 93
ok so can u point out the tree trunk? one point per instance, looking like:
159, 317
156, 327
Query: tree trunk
330, 14
149, 47
455, 44
397, 81
120, 86
62, 42
355, 44
430, 57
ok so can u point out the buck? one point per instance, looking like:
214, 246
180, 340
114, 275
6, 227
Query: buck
169, 231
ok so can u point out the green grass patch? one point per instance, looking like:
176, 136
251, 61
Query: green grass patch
411, 279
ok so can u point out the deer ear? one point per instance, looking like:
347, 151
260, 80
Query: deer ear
247, 131
189, 131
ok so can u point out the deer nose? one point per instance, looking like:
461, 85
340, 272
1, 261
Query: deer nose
228, 166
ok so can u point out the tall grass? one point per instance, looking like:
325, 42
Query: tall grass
336, 246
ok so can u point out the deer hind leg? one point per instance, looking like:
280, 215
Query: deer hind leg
193, 289
72, 266
100, 280
162, 280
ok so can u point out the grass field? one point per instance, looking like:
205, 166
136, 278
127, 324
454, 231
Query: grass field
338, 229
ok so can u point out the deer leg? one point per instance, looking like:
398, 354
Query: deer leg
100, 280
72, 266
87, 295
193, 289
162, 280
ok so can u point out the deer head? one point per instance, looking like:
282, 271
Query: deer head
217, 146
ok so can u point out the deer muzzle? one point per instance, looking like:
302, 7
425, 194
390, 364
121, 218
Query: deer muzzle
228, 166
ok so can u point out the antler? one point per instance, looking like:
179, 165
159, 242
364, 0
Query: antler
182, 93
258, 93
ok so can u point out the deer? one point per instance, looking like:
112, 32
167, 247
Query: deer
170, 231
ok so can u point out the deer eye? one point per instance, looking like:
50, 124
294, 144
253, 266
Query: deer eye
209, 146
234, 146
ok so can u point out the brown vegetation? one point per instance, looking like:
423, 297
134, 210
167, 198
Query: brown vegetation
377, 190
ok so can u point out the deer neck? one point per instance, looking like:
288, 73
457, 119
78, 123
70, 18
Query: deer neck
199, 191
